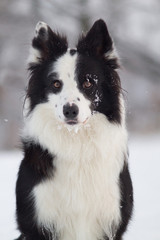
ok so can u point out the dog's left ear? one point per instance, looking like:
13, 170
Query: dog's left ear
98, 43
46, 45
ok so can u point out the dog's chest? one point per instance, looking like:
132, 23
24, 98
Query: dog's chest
81, 199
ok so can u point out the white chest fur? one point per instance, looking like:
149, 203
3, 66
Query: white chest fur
82, 200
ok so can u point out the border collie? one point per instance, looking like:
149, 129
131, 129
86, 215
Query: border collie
73, 182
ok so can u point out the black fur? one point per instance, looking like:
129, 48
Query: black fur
50, 45
109, 86
35, 167
126, 200
94, 50
97, 43
40, 84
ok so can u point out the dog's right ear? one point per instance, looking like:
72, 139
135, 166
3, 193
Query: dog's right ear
46, 45
98, 43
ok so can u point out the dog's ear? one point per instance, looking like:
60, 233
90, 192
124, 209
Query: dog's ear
98, 42
46, 45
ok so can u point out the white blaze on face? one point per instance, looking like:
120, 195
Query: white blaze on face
65, 67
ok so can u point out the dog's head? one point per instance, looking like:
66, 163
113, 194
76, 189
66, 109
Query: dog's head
74, 83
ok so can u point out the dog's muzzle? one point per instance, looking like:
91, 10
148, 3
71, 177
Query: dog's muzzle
70, 112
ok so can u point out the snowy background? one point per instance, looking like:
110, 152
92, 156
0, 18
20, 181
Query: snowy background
134, 26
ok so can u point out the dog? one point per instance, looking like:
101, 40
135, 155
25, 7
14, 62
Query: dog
74, 182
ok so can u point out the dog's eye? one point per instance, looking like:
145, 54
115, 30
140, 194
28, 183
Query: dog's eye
87, 84
57, 84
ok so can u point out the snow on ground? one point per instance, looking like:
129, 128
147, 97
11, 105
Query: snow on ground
145, 171
145, 168
9, 163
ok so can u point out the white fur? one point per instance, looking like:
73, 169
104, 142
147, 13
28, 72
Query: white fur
82, 199
112, 54
122, 110
34, 56
39, 26
65, 66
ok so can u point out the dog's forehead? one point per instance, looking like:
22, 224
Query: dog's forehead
73, 66
65, 66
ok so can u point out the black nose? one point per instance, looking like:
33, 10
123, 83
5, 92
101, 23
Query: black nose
70, 112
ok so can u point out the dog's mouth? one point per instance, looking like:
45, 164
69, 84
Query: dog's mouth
72, 122
75, 121
73, 125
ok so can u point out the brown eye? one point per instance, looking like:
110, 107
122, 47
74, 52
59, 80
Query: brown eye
57, 84
87, 84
